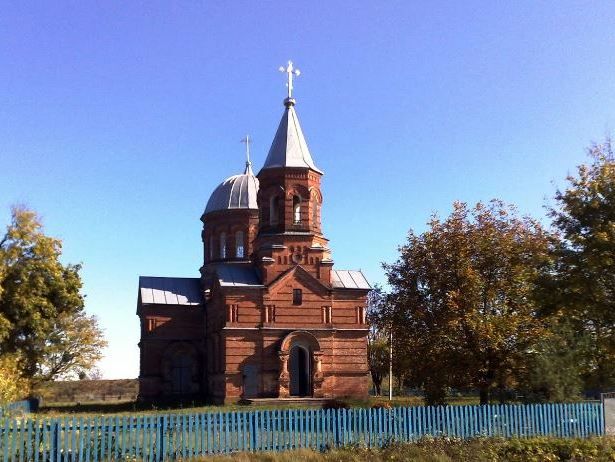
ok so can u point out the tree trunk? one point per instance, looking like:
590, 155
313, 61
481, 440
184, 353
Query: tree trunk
484, 395
502, 394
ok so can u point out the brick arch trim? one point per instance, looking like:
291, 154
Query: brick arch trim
315, 194
298, 190
298, 335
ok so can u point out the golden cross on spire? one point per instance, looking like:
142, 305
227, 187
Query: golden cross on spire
290, 71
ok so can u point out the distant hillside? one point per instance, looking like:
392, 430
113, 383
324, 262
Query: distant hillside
88, 391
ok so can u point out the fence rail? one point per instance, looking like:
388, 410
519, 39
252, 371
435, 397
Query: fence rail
19, 407
182, 436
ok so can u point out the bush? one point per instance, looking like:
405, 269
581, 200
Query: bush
548, 449
382, 405
452, 449
335, 404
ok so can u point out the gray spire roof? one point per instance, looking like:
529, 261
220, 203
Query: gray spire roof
289, 148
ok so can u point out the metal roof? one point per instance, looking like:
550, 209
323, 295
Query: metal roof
170, 291
347, 279
236, 192
237, 275
289, 148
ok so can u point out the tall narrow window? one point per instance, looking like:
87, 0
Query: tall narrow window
314, 214
360, 315
326, 314
222, 245
211, 247
296, 210
274, 210
297, 296
239, 250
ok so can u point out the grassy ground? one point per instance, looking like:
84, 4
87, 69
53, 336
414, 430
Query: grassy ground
449, 450
131, 407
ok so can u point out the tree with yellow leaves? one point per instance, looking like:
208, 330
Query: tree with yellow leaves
43, 324
13, 386
462, 301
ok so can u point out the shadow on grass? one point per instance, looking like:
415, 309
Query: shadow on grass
198, 406
106, 407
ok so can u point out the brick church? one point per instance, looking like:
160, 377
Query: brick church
269, 316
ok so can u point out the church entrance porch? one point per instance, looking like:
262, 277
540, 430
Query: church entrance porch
300, 366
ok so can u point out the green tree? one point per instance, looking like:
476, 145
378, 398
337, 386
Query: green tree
555, 364
42, 316
585, 282
378, 356
463, 301
377, 339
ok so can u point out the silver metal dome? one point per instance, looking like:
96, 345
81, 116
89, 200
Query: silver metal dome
236, 192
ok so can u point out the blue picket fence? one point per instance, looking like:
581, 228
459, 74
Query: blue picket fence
182, 436
19, 407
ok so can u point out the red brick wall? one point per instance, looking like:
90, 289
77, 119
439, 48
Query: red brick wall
164, 327
238, 317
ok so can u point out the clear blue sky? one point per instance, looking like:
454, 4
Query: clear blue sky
117, 120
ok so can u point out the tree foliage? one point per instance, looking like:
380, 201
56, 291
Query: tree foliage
42, 316
554, 367
585, 280
13, 386
462, 299
377, 339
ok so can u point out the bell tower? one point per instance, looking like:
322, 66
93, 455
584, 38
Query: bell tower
289, 202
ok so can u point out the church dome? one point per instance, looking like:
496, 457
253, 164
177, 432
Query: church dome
236, 192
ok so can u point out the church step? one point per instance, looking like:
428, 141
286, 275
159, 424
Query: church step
292, 400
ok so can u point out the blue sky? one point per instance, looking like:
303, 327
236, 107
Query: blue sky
118, 119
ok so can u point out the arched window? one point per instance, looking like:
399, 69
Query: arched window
222, 245
274, 210
239, 250
211, 247
315, 213
296, 210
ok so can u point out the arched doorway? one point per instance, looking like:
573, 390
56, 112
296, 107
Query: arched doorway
300, 371
181, 374
180, 370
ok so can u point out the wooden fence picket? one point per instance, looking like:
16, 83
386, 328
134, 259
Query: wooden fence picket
185, 436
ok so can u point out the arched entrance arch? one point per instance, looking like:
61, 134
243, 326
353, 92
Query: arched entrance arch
180, 369
300, 365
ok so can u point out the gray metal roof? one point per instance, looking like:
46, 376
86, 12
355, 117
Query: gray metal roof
236, 192
170, 291
347, 279
289, 148
237, 275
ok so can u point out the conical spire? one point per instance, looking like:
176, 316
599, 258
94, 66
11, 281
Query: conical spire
289, 148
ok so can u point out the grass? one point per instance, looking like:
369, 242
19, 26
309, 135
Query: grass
131, 407
449, 450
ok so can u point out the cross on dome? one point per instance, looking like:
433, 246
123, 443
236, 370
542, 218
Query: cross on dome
291, 71
247, 140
